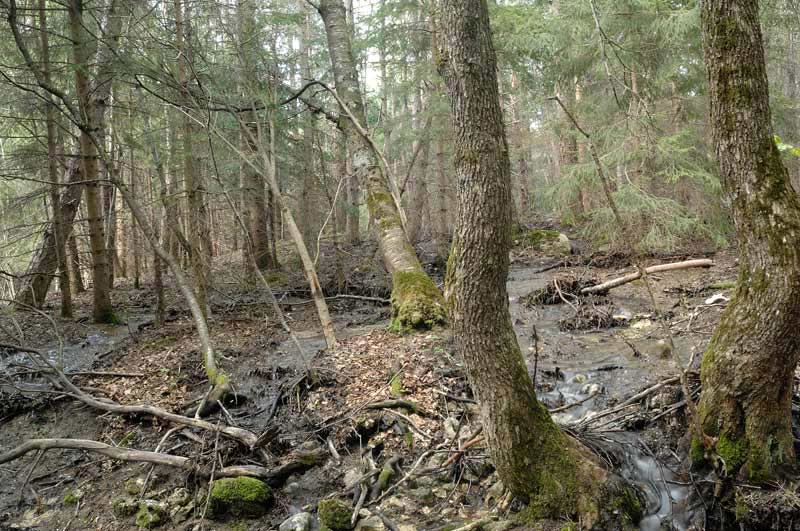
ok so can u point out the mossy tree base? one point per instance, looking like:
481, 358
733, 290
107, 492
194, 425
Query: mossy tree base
417, 304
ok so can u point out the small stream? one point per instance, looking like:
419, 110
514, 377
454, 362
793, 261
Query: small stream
73, 357
574, 365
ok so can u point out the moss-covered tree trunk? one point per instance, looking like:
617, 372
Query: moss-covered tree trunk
416, 302
748, 367
533, 457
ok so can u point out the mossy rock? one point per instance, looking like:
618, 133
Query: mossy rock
241, 496
334, 514
417, 304
124, 506
546, 241
151, 514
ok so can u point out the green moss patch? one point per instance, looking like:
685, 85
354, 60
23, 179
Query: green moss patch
416, 302
241, 496
334, 514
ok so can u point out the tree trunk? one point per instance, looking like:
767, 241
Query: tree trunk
92, 110
416, 302
748, 368
197, 226
76, 278
59, 234
45, 262
534, 459
256, 199
442, 224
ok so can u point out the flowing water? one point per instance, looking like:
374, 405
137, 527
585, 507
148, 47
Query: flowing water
572, 366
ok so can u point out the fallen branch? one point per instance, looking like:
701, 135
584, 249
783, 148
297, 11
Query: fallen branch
413, 407
477, 439
56, 376
573, 404
277, 476
675, 266
477, 524
632, 400
127, 454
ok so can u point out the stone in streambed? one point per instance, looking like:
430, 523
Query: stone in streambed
297, 522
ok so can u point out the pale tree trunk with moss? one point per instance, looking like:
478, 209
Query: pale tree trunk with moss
748, 367
416, 302
533, 457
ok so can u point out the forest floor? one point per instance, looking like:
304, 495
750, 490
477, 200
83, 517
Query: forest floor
594, 352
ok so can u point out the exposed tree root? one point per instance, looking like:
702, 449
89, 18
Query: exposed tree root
58, 378
299, 462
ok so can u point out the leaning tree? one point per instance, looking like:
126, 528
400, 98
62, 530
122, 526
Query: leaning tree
748, 367
416, 302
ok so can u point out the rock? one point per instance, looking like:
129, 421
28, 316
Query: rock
421, 493
179, 496
351, 477
334, 514
592, 389
500, 525
495, 492
123, 506
242, 496
134, 486
406, 527
450, 428
30, 520
180, 513
151, 514
580, 378
373, 523
297, 522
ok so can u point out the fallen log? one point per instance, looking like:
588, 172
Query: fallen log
675, 266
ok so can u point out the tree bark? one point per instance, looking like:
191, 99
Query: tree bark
416, 302
534, 459
60, 236
76, 278
92, 113
748, 367
197, 225
44, 263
